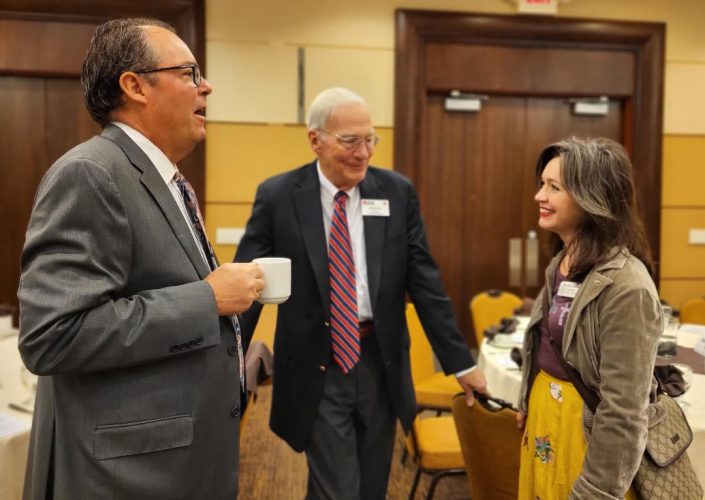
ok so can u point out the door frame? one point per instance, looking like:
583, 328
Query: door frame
643, 115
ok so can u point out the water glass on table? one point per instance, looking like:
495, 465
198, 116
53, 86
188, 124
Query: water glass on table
668, 344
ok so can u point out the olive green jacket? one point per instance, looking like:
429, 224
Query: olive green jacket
610, 337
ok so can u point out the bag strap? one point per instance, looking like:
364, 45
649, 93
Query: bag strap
499, 404
590, 397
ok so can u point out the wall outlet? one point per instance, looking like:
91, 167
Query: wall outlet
696, 237
229, 235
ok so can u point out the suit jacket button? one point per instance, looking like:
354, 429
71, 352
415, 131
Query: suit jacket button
232, 350
174, 348
235, 412
322, 368
199, 341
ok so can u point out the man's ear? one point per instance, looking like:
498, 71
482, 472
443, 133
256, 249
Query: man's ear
133, 87
314, 141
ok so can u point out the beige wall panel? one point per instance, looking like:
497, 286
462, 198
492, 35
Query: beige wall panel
368, 72
240, 156
683, 182
266, 325
384, 152
252, 82
370, 23
676, 292
680, 259
236, 215
364, 23
225, 215
684, 99
683, 18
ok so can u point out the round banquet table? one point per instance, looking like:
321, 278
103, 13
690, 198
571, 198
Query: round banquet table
14, 425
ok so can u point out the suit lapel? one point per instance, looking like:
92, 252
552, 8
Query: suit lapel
375, 229
154, 183
309, 213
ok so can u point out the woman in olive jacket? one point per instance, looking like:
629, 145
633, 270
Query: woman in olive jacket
604, 310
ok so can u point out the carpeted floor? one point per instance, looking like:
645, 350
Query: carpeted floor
269, 469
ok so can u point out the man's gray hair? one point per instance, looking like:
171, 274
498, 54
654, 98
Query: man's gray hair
326, 101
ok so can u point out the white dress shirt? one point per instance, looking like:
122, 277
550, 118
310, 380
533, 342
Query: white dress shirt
166, 171
357, 238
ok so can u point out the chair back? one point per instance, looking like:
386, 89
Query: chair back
693, 311
489, 307
420, 352
490, 441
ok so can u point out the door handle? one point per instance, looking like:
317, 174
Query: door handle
514, 262
531, 259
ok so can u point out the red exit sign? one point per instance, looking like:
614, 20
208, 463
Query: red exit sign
538, 6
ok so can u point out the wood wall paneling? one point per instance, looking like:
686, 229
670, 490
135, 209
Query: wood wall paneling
528, 70
42, 45
18, 56
22, 105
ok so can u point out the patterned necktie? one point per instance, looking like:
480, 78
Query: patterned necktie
344, 326
189, 196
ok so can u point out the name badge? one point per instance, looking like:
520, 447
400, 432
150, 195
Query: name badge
375, 208
568, 289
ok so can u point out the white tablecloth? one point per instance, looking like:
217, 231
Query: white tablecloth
504, 380
14, 425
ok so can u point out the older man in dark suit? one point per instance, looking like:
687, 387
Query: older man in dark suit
124, 311
357, 244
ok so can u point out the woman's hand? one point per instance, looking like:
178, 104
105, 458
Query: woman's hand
521, 420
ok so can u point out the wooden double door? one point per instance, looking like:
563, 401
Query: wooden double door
475, 171
481, 218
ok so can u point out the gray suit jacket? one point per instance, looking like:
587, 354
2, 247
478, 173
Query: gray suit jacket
137, 385
287, 221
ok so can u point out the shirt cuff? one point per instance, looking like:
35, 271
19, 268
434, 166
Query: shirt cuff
465, 372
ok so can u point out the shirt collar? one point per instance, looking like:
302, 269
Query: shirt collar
329, 189
163, 165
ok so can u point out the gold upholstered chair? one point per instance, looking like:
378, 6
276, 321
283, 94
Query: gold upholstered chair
489, 307
490, 441
434, 390
693, 311
434, 445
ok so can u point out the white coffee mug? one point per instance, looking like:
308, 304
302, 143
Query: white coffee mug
277, 279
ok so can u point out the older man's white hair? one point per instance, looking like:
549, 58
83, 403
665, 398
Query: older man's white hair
326, 101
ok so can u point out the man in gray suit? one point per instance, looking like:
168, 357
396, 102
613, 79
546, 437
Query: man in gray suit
124, 312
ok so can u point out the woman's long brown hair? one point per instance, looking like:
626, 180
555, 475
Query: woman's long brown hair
598, 175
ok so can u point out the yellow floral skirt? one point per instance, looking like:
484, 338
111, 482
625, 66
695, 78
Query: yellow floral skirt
553, 446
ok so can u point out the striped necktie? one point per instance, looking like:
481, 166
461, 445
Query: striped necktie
189, 196
344, 326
